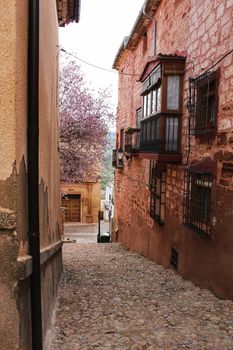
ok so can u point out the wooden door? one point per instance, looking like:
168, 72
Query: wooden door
72, 209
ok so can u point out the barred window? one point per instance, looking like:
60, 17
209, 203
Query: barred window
203, 103
197, 207
157, 193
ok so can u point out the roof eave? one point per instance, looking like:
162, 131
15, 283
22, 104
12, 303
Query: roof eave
64, 15
139, 28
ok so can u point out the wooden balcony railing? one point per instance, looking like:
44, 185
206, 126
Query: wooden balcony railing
160, 137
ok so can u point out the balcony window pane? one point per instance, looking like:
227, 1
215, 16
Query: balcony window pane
148, 104
144, 105
153, 130
158, 99
139, 118
172, 135
173, 85
143, 132
148, 131
153, 101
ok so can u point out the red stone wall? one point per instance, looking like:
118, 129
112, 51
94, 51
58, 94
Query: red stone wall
203, 32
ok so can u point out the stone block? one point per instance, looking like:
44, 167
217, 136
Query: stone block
228, 155
225, 181
218, 155
7, 219
227, 170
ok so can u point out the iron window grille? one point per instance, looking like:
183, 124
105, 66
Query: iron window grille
157, 193
203, 104
197, 201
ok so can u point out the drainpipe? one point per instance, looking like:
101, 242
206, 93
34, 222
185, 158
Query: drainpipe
33, 171
155, 25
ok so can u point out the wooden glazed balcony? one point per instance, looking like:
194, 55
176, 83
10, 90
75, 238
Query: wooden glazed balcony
160, 138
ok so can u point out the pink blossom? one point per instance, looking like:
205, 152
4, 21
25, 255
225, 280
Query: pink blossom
84, 122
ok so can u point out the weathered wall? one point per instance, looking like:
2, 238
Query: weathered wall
49, 156
90, 198
49, 186
203, 32
15, 294
15, 263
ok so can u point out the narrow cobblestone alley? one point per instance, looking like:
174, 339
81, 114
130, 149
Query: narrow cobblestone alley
114, 299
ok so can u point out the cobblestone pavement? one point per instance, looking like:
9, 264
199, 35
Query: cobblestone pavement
113, 299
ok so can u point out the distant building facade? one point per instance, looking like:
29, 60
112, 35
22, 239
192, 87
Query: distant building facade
109, 201
23, 224
174, 153
81, 201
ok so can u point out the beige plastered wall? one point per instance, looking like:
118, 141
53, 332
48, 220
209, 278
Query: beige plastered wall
15, 262
90, 198
49, 186
14, 292
49, 154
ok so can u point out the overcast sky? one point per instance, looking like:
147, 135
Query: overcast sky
98, 36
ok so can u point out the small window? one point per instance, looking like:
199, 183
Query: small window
203, 104
157, 193
198, 201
